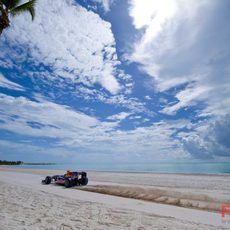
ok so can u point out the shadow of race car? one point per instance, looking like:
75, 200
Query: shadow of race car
68, 180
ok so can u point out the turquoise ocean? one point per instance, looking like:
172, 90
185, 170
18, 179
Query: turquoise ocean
197, 167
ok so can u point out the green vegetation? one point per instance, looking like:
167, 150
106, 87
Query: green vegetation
22, 163
13, 7
11, 162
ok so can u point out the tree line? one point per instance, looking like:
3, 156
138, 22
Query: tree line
10, 162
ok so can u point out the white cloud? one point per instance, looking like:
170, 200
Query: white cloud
75, 43
184, 44
166, 84
53, 120
152, 15
106, 4
131, 103
5, 83
147, 97
187, 98
119, 116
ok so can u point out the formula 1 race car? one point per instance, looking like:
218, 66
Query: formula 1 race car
69, 179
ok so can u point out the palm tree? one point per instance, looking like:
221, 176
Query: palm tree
13, 7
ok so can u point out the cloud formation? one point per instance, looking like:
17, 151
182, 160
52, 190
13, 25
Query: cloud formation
75, 43
5, 83
73, 97
184, 46
76, 131
209, 140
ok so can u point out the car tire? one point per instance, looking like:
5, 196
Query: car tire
67, 183
48, 180
84, 181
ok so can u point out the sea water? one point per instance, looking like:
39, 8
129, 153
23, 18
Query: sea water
197, 167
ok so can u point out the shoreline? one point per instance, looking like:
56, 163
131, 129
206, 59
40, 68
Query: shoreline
227, 174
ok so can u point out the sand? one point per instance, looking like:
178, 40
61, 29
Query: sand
27, 204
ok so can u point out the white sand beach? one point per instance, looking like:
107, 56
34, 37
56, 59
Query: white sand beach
162, 201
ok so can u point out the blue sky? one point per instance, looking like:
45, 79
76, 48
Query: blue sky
117, 81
